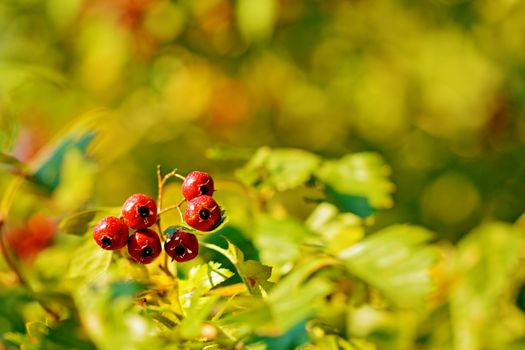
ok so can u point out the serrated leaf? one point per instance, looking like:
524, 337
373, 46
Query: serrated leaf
251, 273
82, 222
279, 169
396, 260
357, 183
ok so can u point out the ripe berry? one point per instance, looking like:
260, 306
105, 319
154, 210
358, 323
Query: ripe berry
202, 213
197, 184
182, 246
111, 233
139, 211
144, 246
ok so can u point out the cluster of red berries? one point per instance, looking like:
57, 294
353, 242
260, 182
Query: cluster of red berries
139, 212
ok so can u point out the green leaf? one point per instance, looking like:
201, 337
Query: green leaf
489, 260
288, 303
88, 262
296, 278
255, 273
205, 277
396, 260
279, 240
199, 310
48, 173
338, 230
46, 169
82, 222
252, 273
279, 169
357, 183
77, 178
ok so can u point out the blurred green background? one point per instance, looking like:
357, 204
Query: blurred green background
437, 87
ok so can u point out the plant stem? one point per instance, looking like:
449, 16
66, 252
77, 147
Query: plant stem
161, 182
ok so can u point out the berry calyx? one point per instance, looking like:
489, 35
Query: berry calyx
144, 246
182, 246
139, 211
111, 233
202, 213
197, 183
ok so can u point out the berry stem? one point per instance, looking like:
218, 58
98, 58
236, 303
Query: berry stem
161, 182
180, 177
171, 207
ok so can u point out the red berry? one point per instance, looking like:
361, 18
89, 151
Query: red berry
111, 233
202, 213
144, 246
139, 211
197, 184
182, 246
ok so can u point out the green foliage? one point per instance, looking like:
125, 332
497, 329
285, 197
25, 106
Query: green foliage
357, 183
279, 169
395, 260
322, 282
356, 98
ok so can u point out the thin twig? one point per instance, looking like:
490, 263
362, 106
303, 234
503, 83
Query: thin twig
171, 207
161, 182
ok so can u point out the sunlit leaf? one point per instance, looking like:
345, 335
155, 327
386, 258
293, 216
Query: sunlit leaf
279, 240
205, 276
253, 274
281, 169
396, 260
287, 304
488, 259
338, 230
357, 183
88, 262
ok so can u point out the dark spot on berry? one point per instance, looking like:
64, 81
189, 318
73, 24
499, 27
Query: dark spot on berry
180, 250
204, 214
143, 211
148, 251
106, 241
204, 189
